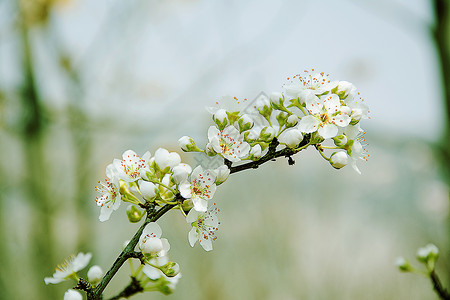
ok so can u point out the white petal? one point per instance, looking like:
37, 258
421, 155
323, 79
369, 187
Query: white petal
328, 131
192, 216
313, 103
308, 124
152, 272
105, 213
206, 244
152, 228
332, 103
213, 132
193, 236
196, 172
200, 204
185, 189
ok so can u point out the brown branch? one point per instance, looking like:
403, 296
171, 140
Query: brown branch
437, 286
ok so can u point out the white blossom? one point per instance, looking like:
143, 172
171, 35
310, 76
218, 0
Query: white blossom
201, 188
109, 200
204, 226
131, 165
166, 160
69, 267
228, 142
150, 241
291, 137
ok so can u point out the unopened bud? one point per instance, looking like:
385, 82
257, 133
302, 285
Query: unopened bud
170, 269
245, 123
281, 118
255, 152
222, 174
181, 172
187, 144
402, 264
340, 140
339, 159
277, 100
220, 118
292, 120
72, 295
95, 274
209, 150
343, 89
148, 189
267, 134
291, 137
429, 252
134, 214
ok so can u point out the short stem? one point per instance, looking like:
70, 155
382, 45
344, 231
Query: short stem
437, 285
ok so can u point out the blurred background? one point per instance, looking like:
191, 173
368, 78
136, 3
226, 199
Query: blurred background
82, 81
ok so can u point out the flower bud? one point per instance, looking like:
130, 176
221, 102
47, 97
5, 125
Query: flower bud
72, 295
210, 150
148, 189
356, 115
339, 159
220, 118
281, 118
134, 214
291, 137
252, 135
170, 269
343, 89
292, 120
95, 274
152, 246
166, 160
255, 152
245, 123
277, 100
187, 144
429, 252
181, 172
264, 107
267, 134
340, 140
402, 264
222, 174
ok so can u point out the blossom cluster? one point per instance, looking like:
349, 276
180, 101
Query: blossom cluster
312, 110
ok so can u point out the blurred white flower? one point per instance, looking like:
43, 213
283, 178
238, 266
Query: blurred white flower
69, 267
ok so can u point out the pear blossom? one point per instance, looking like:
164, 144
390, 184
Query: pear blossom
69, 267
291, 137
95, 274
201, 188
148, 189
326, 114
150, 241
181, 172
131, 165
110, 196
255, 152
72, 295
204, 227
228, 142
356, 150
276, 98
166, 160
221, 174
317, 83
339, 159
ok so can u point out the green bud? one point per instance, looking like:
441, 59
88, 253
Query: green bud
403, 265
134, 214
220, 118
267, 134
233, 117
340, 140
281, 118
170, 269
245, 122
209, 150
187, 144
